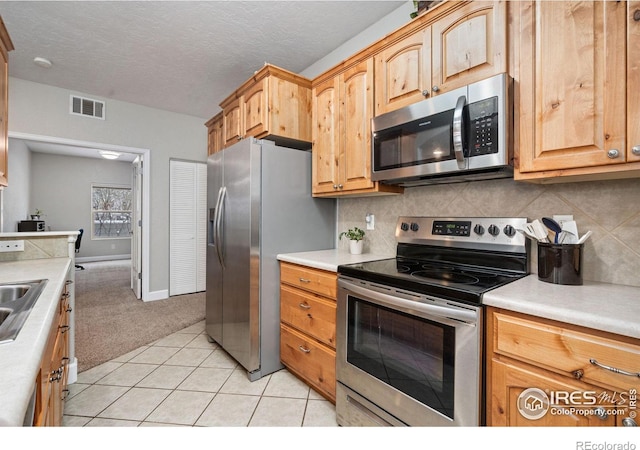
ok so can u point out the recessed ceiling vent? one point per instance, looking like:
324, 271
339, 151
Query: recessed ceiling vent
87, 107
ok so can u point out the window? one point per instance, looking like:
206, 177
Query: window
111, 212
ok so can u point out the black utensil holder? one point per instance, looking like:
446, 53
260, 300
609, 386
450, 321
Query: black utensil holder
560, 263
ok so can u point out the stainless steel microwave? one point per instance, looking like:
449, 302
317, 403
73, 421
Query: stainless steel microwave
460, 135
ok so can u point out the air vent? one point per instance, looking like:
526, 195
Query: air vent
87, 107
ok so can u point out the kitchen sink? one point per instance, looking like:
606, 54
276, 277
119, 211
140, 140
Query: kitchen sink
16, 302
13, 292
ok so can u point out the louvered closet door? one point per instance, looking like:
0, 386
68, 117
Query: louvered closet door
187, 228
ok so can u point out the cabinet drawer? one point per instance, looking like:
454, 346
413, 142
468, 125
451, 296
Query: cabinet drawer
310, 314
310, 360
568, 350
313, 280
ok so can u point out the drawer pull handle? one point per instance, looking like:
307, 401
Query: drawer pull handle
601, 413
304, 306
304, 280
613, 369
304, 349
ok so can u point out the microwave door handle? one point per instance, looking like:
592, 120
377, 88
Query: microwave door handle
457, 132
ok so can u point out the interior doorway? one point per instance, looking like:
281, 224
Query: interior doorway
139, 157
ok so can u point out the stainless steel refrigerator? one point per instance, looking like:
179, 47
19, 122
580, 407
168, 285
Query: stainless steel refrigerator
260, 205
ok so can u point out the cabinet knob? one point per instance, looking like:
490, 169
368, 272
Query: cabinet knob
435, 89
636, 15
340, 186
635, 150
613, 153
426, 93
335, 186
628, 421
578, 374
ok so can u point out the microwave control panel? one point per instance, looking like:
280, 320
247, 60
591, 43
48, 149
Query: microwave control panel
483, 127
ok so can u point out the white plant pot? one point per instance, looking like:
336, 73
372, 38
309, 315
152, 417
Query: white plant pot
355, 247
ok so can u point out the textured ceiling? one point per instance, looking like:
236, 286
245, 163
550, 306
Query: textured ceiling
183, 56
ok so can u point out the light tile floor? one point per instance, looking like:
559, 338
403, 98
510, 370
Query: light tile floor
184, 380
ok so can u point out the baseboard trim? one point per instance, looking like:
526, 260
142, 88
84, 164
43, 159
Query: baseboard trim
157, 295
86, 259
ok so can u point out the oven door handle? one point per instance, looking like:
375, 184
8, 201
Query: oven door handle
457, 127
459, 314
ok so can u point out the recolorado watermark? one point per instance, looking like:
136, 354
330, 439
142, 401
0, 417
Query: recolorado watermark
535, 403
590, 445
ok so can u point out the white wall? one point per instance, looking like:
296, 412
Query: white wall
38, 109
16, 196
66, 202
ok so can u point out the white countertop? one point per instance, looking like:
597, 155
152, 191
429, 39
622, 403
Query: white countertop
39, 234
329, 259
601, 306
20, 359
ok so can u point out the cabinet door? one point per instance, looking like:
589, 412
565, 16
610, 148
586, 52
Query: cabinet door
511, 380
572, 104
326, 138
633, 82
255, 109
356, 112
469, 45
403, 72
233, 126
215, 136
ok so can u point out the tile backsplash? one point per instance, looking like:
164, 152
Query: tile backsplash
611, 209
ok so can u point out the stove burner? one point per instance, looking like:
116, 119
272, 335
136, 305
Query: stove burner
451, 277
402, 269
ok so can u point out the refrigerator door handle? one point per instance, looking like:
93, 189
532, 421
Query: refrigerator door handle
217, 227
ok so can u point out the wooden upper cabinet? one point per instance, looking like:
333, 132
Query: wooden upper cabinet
5, 47
232, 115
572, 66
342, 113
437, 53
215, 137
325, 136
273, 104
633, 82
403, 72
356, 112
469, 45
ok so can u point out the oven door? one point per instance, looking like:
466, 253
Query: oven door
416, 358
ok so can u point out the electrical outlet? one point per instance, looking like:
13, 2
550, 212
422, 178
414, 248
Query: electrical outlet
12, 246
370, 220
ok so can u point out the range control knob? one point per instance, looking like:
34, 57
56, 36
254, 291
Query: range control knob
404, 226
414, 226
509, 231
478, 229
494, 230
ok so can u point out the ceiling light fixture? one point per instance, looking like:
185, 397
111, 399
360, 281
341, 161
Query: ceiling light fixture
42, 62
107, 154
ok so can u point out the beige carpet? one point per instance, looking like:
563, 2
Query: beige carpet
110, 321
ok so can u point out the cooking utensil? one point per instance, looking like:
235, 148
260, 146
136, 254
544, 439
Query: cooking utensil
569, 233
584, 237
553, 226
528, 233
539, 231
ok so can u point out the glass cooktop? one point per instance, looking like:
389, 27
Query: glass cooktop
439, 279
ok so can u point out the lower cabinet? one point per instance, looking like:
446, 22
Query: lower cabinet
51, 382
308, 326
546, 373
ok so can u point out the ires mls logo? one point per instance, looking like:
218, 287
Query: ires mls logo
534, 403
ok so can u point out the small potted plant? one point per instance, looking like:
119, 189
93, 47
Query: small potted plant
36, 215
355, 236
